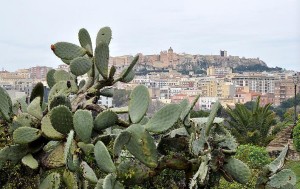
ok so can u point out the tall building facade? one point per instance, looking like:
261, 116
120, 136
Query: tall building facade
284, 89
223, 53
256, 83
39, 72
218, 71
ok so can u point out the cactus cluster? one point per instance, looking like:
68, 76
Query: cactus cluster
95, 148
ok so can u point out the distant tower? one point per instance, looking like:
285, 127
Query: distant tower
170, 56
223, 53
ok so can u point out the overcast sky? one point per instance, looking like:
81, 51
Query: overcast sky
268, 29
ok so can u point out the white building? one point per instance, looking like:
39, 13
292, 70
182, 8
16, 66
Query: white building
105, 101
257, 83
205, 103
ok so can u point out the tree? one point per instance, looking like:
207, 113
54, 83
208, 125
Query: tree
285, 105
251, 126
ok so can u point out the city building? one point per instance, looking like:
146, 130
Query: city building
284, 89
223, 53
256, 82
39, 72
105, 101
218, 71
206, 103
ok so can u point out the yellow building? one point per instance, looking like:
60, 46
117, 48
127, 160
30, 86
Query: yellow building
216, 88
219, 71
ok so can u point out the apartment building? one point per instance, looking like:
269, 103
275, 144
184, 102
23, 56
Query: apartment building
39, 72
218, 71
212, 87
105, 101
206, 103
284, 89
256, 83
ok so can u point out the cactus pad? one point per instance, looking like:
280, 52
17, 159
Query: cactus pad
51, 181
60, 100
238, 170
101, 59
103, 158
13, 153
65, 50
55, 158
104, 35
212, 116
141, 145
62, 88
139, 102
187, 108
51, 145
81, 84
24, 120
29, 161
25, 135
129, 77
110, 182
35, 109
108, 92
49, 131
164, 119
70, 179
282, 178
99, 184
122, 139
88, 172
279, 161
138, 172
105, 120
50, 78
61, 119
61, 75
68, 144
66, 61
22, 104
86, 148
5, 105
85, 40
127, 73
37, 91
80, 66
112, 71
83, 125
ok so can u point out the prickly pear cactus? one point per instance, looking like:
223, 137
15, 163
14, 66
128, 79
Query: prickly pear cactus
5, 105
273, 176
72, 142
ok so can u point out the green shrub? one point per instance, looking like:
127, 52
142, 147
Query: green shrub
296, 137
255, 156
279, 127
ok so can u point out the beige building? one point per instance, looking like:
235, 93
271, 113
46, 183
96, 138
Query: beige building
213, 87
12, 77
218, 71
284, 89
